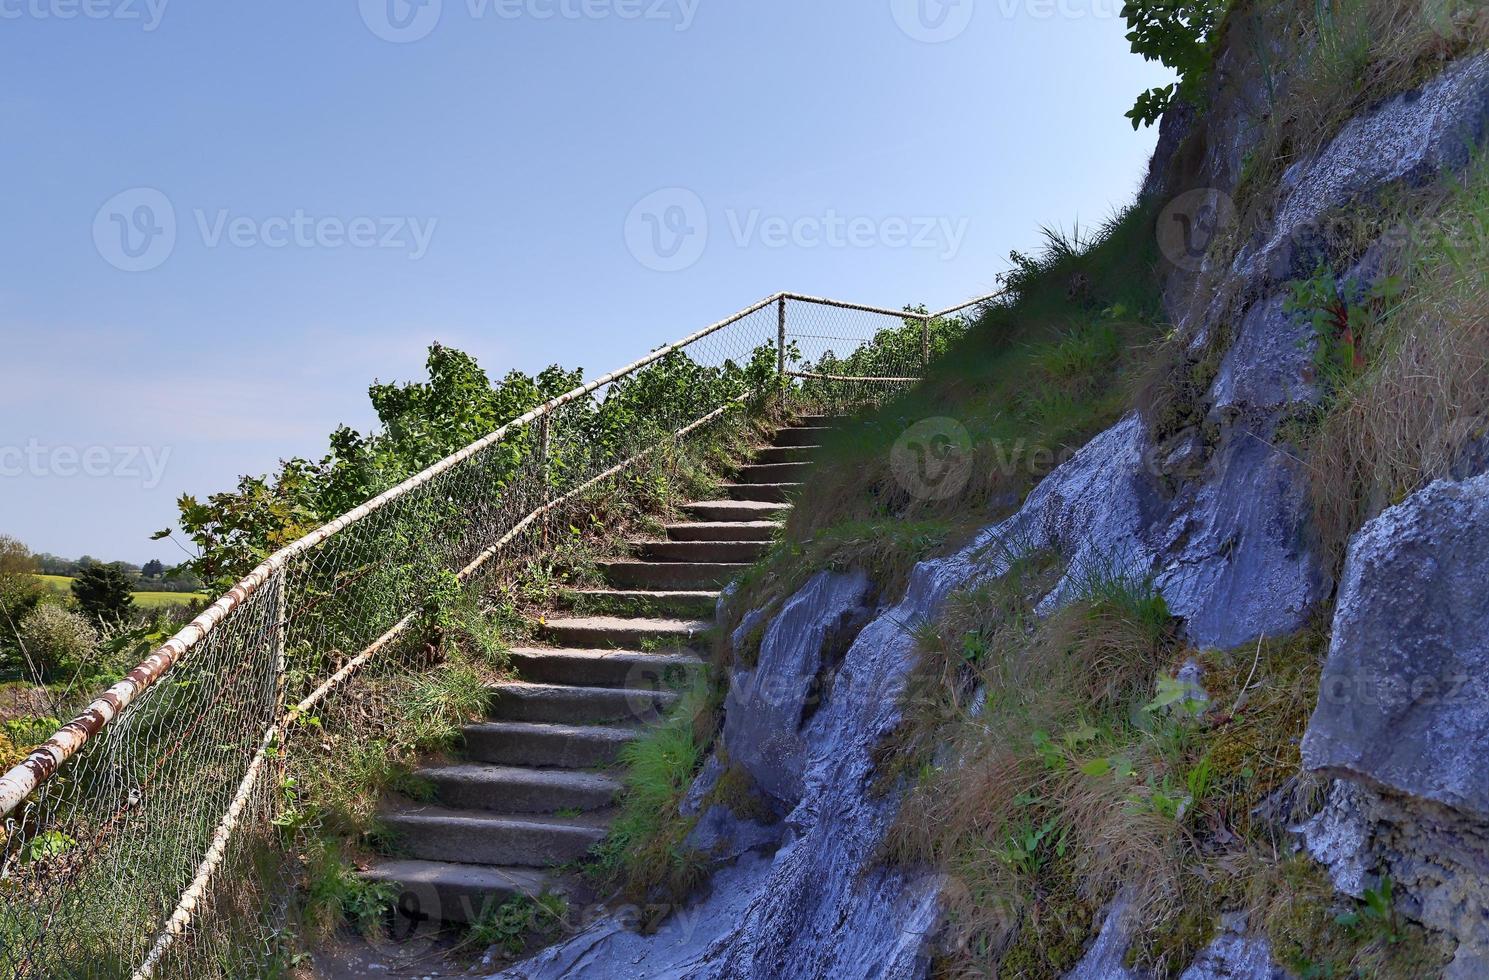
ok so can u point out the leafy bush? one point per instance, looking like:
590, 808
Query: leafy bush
57, 640
1178, 34
424, 422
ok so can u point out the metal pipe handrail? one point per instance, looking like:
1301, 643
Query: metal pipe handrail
43, 761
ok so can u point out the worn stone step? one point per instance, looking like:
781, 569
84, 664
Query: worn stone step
617, 633
523, 743
723, 531
786, 454
696, 604
824, 421
729, 511
627, 669
517, 789
669, 575
801, 435
725, 552
566, 704
451, 892
436, 833
773, 472
775, 493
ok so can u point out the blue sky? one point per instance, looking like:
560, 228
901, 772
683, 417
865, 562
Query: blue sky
352, 180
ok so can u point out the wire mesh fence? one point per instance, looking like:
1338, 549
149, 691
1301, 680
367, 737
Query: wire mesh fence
843, 355
142, 839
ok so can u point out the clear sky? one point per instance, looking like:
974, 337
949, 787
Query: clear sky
221, 221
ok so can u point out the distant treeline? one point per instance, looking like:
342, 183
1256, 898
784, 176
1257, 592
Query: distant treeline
152, 576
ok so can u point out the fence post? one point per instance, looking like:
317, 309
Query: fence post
281, 680
781, 349
925, 343
545, 488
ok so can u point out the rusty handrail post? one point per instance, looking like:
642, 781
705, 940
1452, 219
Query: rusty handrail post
781, 350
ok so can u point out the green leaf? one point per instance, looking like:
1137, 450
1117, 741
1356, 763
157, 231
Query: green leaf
1080, 736
1097, 767
1171, 690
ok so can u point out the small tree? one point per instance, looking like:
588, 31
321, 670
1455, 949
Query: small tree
104, 593
153, 569
20, 589
57, 641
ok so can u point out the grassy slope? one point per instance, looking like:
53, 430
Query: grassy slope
1030, 383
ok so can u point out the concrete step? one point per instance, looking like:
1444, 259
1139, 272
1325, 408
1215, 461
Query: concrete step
786, 454
522, 743
730, 511
516, 789
436, 833
719, 552
565, 704
617, 633
669, 575
627, 669
773, 472
457, 892
824, 421
698, 604
775, 493
801, 435
723, 531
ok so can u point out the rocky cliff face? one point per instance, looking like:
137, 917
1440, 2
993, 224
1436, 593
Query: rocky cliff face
1214, 508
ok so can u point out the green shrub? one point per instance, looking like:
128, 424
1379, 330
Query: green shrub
57, 641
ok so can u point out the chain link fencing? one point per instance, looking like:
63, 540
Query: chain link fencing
144, 838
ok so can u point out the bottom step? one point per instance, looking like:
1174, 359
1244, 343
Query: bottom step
456, 892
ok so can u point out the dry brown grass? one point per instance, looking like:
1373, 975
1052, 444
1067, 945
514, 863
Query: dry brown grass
1034, 844
1357, 53
1350, 54
1016, 744
1425, 395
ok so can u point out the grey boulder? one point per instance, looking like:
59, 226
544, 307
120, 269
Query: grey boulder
1403, 699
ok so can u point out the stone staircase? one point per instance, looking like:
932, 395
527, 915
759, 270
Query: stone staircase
534, 789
